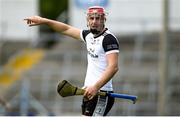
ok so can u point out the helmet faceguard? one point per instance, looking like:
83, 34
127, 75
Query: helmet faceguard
98, 13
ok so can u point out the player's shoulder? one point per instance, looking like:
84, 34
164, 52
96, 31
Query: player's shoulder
109, 36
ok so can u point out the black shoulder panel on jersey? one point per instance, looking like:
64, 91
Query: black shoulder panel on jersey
110, 43
85, 33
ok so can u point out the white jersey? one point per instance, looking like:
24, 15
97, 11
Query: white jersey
97, 48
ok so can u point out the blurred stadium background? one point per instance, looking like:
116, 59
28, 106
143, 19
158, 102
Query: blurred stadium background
33, 60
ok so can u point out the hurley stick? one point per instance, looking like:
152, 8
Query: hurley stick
66, 89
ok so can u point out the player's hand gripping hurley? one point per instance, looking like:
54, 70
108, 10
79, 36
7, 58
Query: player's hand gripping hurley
66, 89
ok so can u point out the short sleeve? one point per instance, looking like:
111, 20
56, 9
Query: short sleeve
110, 44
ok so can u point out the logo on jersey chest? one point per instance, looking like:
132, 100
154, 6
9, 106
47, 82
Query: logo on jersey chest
93, 47
91, 52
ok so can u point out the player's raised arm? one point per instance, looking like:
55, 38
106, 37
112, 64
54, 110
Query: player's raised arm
56, 25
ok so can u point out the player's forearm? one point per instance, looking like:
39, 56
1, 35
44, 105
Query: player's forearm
55, 25
106, 76
63, 28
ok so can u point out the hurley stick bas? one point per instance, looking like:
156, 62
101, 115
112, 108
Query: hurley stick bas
66, 89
